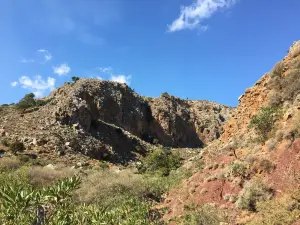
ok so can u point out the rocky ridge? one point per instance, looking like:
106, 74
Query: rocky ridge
104, 119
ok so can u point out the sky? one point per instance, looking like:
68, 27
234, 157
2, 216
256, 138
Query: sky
194, 49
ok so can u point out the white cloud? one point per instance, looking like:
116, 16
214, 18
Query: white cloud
24, 60
47, 55
38, 85
63, 69
14, 84
121, 79
192, 16
99, 78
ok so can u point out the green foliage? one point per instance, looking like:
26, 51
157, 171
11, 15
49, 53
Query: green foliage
165, 95
29, 101
264, 121
26, 102
21, 203
16, 147
253, 192
75, 79
104, 164
237, 169
161, 160
285, 210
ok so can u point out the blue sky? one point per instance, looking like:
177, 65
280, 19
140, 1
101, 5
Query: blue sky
196, 49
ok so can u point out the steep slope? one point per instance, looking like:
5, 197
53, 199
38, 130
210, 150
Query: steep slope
240, 171
108, 119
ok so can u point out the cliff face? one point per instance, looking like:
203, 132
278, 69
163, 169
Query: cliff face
167, 120
94, 117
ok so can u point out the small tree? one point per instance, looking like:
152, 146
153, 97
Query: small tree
263, 122
27, 101
16, 147
75, 79
161, 160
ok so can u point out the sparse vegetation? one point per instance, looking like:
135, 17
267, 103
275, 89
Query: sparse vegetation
263, 122
285, 210
253, 192
29, 101
205, 215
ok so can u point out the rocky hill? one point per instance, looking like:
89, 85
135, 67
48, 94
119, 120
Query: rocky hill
251, 174
107, 119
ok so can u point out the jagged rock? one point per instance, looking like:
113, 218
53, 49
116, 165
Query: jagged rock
104, 119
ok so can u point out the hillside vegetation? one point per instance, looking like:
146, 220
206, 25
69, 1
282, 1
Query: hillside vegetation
95, 152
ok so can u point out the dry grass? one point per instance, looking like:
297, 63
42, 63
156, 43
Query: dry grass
271, 144
107, 186
9, 163
284, 210
43, 176
295, 50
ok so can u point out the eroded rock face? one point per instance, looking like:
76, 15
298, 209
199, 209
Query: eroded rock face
187, 123
98, 117
167, 120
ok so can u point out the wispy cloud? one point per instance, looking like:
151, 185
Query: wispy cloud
24, 60
61, 70
46, 54
37, 85
192, 16
121, 79
105, 69
14, 84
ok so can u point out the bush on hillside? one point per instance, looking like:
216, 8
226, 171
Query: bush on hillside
75, 79
263, 122
26, 102
161, 160
16, 147
29, 101
253, 192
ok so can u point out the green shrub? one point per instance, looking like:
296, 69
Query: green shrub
253, 192
16, 147
263, 122
237, 169
160, 160
29, 101
283, 210
75, 79
165, 95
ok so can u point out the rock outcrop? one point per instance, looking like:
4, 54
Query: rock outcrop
100, 118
